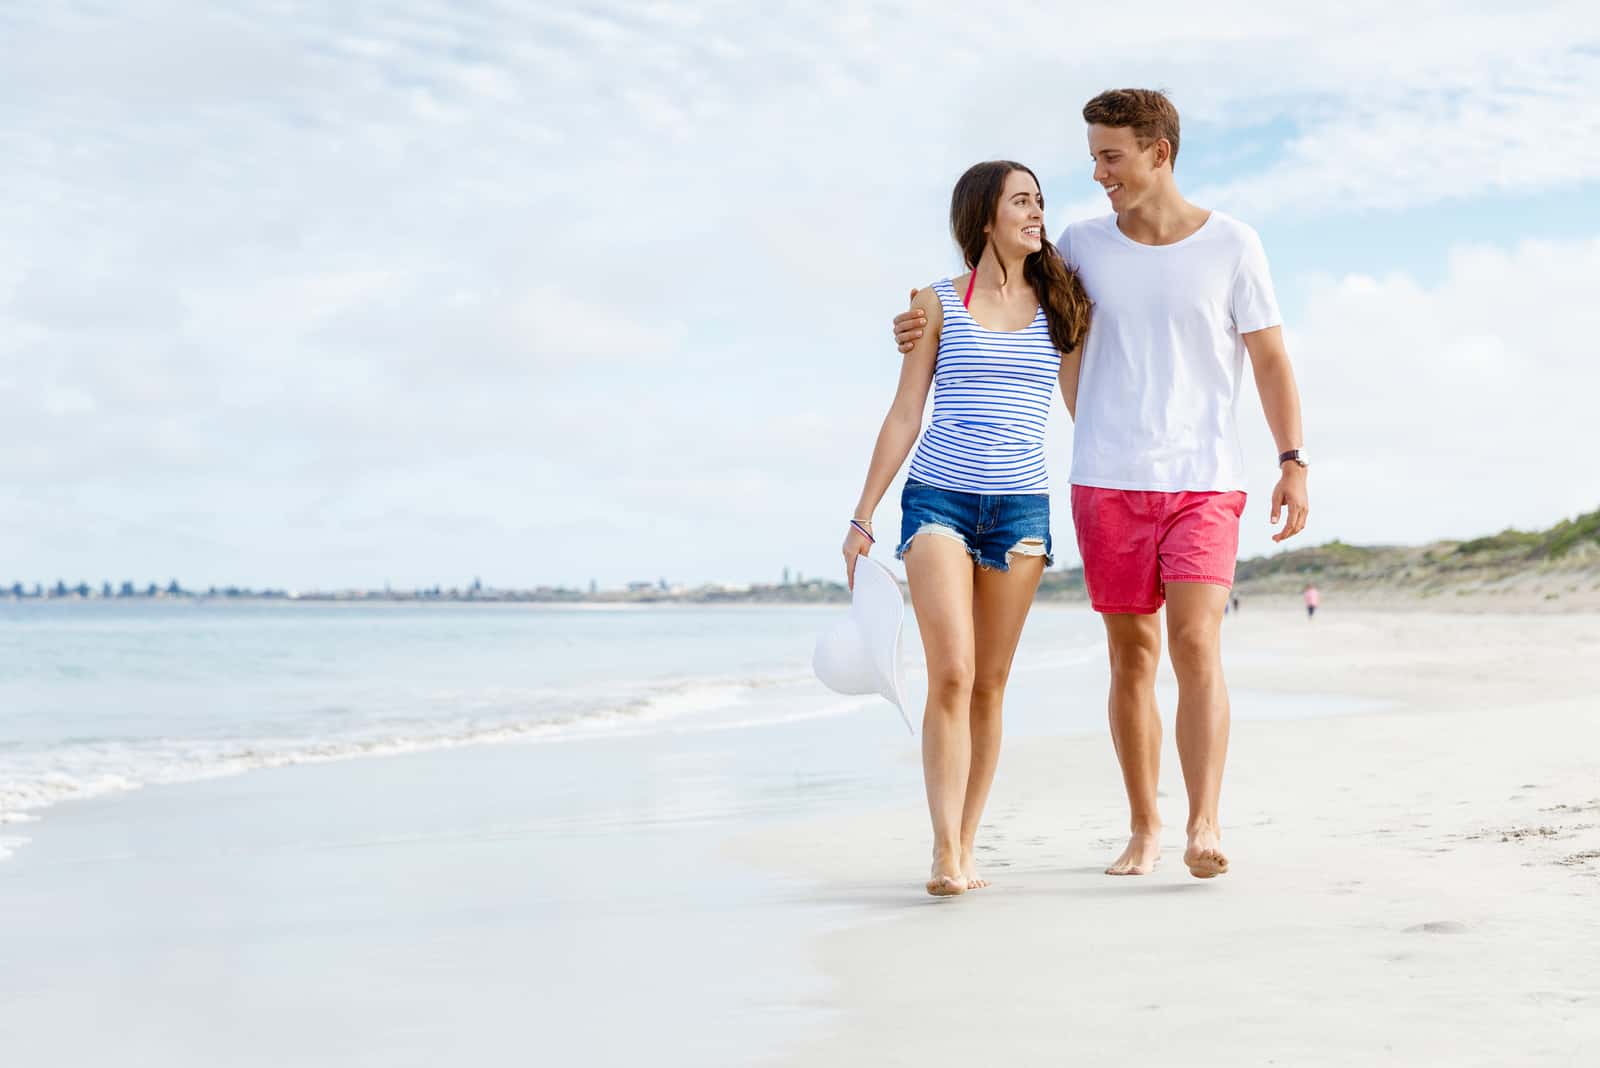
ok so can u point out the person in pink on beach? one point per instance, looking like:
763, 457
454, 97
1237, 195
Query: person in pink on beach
1181, 296
1313, 599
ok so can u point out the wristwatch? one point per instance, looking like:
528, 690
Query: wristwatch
1297, 455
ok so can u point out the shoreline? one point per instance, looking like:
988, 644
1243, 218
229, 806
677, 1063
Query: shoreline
416, 908
1412, 810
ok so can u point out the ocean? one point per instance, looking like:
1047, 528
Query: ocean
99, 698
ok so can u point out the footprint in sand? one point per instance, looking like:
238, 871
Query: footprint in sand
1438, 927
1579, 859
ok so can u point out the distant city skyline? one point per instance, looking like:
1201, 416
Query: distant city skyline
330, 296
638, 589
105, 589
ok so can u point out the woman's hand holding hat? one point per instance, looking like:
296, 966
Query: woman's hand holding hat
856, 543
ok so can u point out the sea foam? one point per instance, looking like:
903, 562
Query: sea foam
31, 782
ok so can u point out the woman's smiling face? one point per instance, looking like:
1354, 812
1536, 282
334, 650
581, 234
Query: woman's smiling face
1018, 226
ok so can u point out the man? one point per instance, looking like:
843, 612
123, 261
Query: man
1181, 294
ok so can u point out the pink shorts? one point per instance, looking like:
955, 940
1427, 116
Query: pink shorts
1134, 542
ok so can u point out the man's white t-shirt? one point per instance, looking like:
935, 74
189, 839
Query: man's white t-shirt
1165, 353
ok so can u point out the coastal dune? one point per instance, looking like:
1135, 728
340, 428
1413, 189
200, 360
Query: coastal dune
1416, 877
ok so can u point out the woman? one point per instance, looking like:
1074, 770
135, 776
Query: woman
975, 513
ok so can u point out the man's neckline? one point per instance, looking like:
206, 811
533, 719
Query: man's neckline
1196, 232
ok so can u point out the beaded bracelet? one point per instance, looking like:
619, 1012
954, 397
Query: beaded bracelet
864, 531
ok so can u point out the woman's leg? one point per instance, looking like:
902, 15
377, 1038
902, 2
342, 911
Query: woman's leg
940, 573
1000, 603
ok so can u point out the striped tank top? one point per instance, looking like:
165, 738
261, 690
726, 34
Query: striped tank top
991, 402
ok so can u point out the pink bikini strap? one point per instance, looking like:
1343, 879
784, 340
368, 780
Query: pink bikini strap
966, 301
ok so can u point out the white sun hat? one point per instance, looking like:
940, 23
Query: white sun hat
861, 652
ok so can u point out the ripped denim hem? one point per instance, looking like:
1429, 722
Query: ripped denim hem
1024, 547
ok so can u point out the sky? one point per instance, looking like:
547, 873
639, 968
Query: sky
315, 296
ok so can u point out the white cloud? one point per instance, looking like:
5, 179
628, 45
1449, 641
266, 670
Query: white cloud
546, 286
1452, 410
1521, 132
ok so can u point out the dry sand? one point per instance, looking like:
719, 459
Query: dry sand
1417, 883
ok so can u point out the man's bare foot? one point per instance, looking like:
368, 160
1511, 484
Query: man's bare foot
1204, 855
969, 872
945, 880
1144, 849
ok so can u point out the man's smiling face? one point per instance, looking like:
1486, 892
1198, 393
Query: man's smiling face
1125, 171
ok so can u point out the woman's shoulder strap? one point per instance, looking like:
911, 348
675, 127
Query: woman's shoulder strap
948, 296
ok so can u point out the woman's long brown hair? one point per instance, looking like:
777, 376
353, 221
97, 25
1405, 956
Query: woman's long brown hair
974, 205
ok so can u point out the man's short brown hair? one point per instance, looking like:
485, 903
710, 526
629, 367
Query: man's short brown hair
1147, 111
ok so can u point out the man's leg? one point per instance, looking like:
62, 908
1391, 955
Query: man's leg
1134, 642
1194, 641
1117, 532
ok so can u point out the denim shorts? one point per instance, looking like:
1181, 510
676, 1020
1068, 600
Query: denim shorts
991, 526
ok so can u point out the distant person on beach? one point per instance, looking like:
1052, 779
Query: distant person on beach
1313, 598
975, 512
1181, 295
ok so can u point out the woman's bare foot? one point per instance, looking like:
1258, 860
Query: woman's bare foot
969, 871
1144, 850
1204, 855
946, 879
